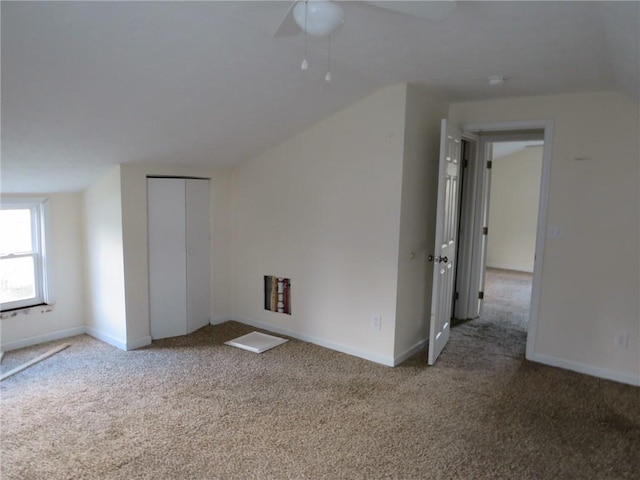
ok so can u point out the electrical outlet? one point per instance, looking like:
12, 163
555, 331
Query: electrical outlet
376, 322
622, 340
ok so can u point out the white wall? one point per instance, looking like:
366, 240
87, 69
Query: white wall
104, 260
591, 274
136, 267
66, 316
322, 208
424, 112
513, 209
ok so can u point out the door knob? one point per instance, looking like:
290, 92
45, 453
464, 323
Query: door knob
438, 259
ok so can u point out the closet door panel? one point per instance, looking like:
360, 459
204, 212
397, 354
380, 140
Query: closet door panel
167, 257
198, 254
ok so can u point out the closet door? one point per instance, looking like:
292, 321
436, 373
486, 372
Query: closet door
166, 200
198, 254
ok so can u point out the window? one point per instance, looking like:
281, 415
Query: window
23, 261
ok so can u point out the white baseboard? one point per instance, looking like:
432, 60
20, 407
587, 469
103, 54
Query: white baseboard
138, 343
387, 361
72, 332
410, 352
586, 369
219, 319
507, 266
47, 337
106, 338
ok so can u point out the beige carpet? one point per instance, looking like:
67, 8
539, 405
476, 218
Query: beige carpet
507, 297
194, 408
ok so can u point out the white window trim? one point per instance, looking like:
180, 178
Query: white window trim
41, 232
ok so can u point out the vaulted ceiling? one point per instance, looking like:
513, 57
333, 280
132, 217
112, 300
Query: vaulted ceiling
87, 85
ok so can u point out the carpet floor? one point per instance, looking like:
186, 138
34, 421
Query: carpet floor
193, 408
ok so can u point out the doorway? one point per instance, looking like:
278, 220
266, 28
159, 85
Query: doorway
513, 214
482, 277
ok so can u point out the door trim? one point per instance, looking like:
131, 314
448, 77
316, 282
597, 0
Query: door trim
466, 228
513, 127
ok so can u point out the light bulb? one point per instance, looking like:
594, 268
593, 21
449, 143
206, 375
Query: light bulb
318, 18
305, 65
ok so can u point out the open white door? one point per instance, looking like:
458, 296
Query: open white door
480, 229
444, 257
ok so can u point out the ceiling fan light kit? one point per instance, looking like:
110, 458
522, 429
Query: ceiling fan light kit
321, 18
318, 17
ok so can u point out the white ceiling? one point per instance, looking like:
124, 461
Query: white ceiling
86, 85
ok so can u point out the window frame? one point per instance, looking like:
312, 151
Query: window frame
40, 215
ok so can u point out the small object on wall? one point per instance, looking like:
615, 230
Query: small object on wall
277, 294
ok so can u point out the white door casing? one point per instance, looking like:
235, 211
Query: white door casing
466, 222
482, 225
520, 129
444, 257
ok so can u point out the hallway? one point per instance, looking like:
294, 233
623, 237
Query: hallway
507, 297
501, 331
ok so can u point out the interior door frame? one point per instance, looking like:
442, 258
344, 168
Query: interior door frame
488, 130
481, 220
466, 227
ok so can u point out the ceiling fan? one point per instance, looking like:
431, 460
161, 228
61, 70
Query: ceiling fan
323, 17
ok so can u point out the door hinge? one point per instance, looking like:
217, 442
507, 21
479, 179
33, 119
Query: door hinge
456, 296
465, 163
480, 295
489, 163
485, 231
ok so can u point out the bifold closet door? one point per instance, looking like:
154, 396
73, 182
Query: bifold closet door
198, 254
179, 255
166, 200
